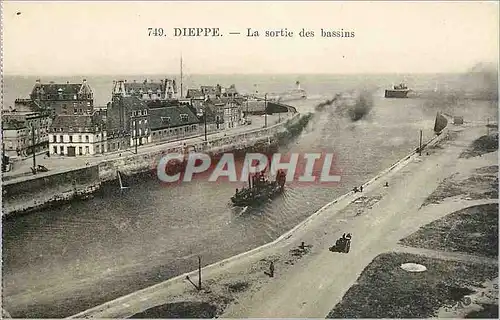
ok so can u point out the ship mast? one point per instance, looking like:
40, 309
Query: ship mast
182, 95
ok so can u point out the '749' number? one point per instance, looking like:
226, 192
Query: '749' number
155, 32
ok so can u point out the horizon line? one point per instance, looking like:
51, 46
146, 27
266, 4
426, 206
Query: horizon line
227, 74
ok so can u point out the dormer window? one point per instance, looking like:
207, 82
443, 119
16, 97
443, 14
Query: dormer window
184, 117
165, 120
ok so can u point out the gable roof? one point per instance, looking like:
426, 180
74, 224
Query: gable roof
84, 123
174, 113
66, 91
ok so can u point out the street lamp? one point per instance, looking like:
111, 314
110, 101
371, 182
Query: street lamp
203, 112
265, 110
33, 145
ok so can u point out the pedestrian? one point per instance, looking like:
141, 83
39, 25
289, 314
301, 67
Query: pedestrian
271, 269
361, 189
386, 184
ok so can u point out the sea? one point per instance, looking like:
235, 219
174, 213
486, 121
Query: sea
61, 261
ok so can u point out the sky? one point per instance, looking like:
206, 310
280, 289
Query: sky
97, 37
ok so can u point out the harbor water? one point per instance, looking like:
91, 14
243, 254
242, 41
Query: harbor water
61, 261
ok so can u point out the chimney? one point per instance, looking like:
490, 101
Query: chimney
38, 81
84, 80
67, 82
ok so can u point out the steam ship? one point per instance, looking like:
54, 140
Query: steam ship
295, 94
259, 189
399, 91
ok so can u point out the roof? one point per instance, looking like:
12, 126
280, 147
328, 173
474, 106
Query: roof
145, 87
66, 91
174, 114
55, 88
85, 122
131, 102
161, 103
194, 93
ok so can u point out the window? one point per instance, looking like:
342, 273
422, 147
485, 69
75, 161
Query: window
70, 138
184, 117
54, 140
97, 148
79, 138
165, 120
86, 139
87, 150
61, 139
80, 150
55, 150
145, 121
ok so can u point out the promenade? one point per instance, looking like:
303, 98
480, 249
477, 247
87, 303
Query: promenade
21, 169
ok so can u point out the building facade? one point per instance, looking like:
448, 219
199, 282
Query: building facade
127, 122
173, 122
25, 132
147, 90
64, 99
77, 135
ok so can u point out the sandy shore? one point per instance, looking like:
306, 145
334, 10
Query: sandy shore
310, 282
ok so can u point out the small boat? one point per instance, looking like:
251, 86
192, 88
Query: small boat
440, 123
399, 91
259, 189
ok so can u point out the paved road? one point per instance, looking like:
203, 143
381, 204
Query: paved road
22, 169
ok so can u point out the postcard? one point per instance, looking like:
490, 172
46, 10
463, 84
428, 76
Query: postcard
239, 159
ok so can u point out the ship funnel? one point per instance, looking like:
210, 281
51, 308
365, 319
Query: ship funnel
298, 85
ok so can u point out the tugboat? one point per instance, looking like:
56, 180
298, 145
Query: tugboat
259, 189
399, 91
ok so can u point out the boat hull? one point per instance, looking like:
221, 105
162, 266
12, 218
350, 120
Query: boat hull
258, 199
396, 93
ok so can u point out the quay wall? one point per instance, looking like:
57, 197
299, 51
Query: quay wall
137, 163
33, 194
40, 192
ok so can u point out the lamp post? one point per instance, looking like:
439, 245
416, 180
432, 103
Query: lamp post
33, 145
203, 113
265, 110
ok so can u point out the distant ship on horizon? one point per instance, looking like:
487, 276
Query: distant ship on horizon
294, 94
399, 91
